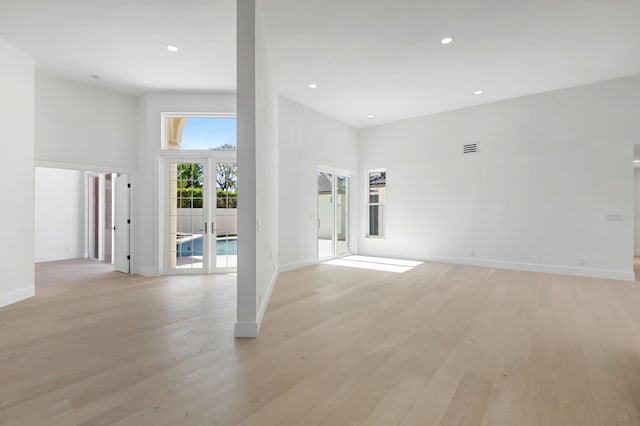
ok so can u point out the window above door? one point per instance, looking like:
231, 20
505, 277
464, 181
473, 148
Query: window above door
199, 132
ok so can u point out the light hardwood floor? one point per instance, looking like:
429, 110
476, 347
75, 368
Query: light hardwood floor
438, 345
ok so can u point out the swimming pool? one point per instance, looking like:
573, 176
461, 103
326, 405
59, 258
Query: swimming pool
193, 246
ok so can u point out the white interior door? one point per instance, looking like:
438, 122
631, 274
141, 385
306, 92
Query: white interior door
121, 261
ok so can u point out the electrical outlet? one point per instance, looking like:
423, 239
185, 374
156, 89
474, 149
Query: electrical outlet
581, 261
538, 258
473, 253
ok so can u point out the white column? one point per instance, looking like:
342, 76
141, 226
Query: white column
246, 325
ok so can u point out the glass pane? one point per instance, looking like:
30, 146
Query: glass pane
342, 217
377, 184
325, 215
226, 223
201, 133
376, 220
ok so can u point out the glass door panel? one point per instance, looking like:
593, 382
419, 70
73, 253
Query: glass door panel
326, 244
342, 215
226, 215
187, 216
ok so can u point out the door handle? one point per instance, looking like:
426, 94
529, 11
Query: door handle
213, 230
205, 227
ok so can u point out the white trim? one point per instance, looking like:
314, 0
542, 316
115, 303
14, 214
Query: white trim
299, 265
533, 267
267, 297
335, 171
145, 271
56, 257
246, 329
82, 167
16, 296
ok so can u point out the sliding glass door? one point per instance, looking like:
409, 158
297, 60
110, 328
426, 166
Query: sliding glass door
326, 212
343, 196
334, 215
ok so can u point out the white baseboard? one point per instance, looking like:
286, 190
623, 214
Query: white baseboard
145, 272
298, 265
535, 267
16, 296
247, 329
251, 329
55, 258
267, 297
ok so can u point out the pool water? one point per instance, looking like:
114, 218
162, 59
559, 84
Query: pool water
224, 246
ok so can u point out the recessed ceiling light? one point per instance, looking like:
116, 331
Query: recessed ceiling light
478, 92
172, 48
636, 161
95, 76
370, 116
446, 40
313, 86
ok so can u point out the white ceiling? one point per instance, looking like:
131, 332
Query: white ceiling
384, 57
124, 41
380, 57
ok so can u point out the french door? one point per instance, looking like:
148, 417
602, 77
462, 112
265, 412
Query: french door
334, 215
200, 214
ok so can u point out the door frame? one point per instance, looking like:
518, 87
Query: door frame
210, 158
335, 172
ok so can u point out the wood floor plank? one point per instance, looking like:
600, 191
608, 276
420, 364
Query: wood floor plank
437, 345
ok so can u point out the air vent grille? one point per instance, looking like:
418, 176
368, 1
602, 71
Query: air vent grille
469, 148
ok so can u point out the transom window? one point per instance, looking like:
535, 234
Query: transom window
199, 132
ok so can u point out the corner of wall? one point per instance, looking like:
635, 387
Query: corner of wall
16, 296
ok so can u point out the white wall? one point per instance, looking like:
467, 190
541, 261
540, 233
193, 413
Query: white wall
84, 127
266, 172
145, 188
16, 173
59, 214
551, 167
308, 139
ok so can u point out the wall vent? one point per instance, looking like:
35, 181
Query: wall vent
469, 148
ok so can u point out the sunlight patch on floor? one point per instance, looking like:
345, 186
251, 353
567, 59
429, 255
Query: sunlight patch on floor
398, 266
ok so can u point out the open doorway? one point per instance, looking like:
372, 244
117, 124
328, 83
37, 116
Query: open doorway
81, 214
108, 219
